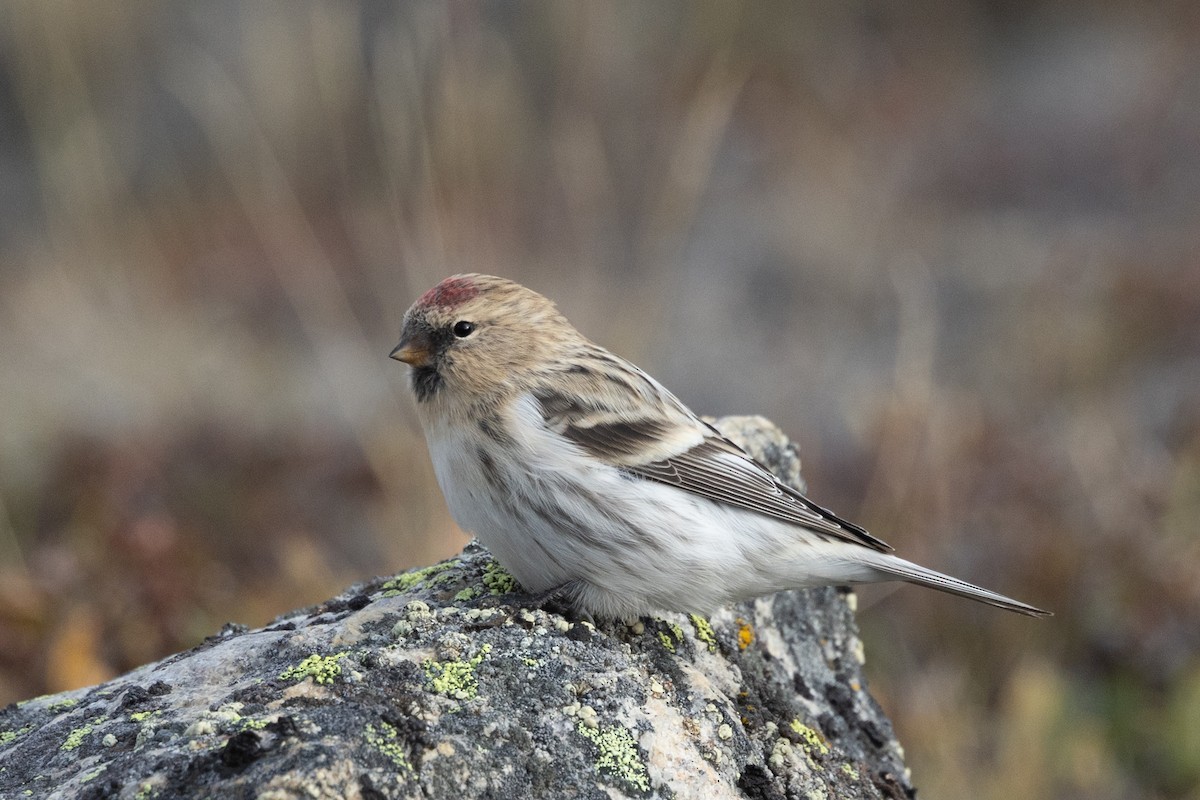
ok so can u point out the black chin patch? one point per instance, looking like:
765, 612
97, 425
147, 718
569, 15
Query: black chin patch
425, 382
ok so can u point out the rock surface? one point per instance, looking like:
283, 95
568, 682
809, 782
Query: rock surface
444, 683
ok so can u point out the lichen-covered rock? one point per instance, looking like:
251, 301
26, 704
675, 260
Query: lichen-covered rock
443, 683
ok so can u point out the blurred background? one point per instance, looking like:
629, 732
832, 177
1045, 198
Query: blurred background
952, 248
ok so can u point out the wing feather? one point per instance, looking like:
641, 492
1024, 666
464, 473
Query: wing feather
720, 470
671, 445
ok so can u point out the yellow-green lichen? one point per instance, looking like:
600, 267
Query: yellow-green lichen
145, 791
8, 736
811, 738
497, 579
704, 631
469, 593
386, 740
850, 771
91, 776
322, 669
432, 574
76, 737
666, 640
142, 716
227, 718
455, 678
619, 755
63, 705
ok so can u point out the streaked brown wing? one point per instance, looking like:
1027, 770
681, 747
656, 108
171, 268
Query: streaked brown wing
707, 464
721, 471
618, 415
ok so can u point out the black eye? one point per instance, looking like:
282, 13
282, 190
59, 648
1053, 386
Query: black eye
463, 329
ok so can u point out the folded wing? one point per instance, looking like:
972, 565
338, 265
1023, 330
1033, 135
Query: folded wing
626, 419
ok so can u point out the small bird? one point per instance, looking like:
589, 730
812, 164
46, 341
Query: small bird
593, 485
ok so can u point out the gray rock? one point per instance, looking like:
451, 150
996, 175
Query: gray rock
443, 682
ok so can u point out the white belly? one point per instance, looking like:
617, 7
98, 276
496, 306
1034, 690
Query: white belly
628, 545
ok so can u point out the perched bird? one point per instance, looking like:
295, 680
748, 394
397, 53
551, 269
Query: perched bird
591, 482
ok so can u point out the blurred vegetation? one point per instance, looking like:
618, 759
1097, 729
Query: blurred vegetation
952, 248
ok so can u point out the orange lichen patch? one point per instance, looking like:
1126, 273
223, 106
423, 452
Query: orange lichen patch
745, 634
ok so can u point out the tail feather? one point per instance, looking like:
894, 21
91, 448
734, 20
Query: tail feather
914, 573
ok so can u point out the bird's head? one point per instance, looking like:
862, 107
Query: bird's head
475, 334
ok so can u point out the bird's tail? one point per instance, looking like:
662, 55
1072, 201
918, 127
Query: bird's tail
899, 569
